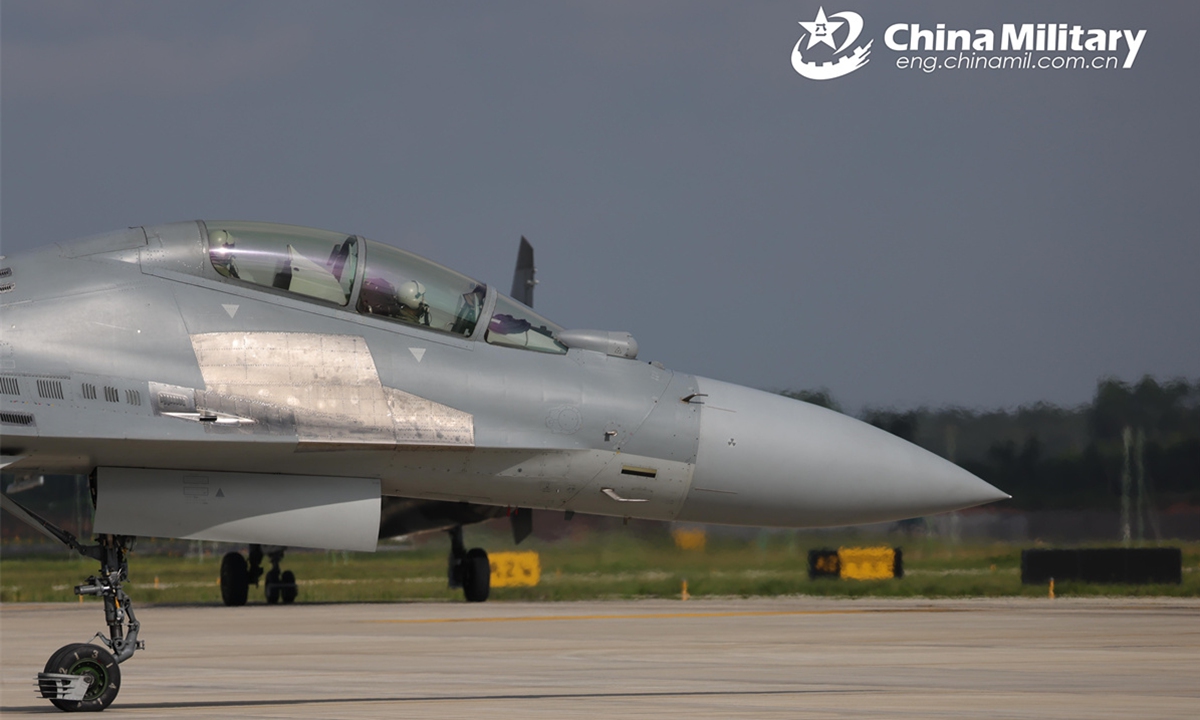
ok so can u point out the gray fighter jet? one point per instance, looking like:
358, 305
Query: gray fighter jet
280, 386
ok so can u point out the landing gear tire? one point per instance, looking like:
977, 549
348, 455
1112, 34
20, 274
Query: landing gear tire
272, 587
288, 590
235, 580
476, 575
99, 669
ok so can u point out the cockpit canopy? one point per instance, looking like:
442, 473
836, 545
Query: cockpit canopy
398, 285
395, 285
514, 325
314, 263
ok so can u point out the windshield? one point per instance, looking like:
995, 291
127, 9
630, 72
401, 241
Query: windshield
314, 263
406, 288
514, 325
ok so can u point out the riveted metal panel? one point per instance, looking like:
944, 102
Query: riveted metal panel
423, 422
327, 385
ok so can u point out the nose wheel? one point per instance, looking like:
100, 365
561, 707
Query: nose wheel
81, 676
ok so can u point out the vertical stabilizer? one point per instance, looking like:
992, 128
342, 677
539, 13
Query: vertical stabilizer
523, 276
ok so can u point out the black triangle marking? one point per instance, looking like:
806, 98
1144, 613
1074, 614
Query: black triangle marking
220, 493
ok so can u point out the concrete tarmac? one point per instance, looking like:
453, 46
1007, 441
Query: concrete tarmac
762, 658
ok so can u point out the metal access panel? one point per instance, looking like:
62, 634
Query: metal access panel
334, 513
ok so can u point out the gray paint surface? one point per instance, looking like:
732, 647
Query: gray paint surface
165, 366
336, 513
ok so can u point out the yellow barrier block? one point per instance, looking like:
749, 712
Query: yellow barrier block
686, 539
515, 569
874, 563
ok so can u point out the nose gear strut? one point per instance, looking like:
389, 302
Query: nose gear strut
86, 676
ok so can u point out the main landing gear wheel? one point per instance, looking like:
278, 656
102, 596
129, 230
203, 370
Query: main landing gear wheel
476, 575
238, 574
279, 586
235, 579
272, 587
469, 570
287, 589
84, 670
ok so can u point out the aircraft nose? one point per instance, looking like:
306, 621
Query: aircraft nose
767, 460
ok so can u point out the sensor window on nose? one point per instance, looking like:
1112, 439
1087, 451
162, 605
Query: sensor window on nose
639, 471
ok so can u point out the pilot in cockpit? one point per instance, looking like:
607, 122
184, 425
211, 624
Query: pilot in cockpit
221, 253
407, 302
412, 302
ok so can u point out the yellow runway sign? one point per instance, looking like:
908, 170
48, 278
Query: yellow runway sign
515, 569
870, 563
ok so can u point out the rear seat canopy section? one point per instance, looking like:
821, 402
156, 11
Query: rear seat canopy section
406, 288
314, 263
514, 325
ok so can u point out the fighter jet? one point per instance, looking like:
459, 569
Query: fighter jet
282, 386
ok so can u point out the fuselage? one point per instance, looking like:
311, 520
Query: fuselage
154, 348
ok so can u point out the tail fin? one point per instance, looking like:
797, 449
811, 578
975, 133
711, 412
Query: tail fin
523, 276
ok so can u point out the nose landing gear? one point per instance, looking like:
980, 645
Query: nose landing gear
83, 676
87, 676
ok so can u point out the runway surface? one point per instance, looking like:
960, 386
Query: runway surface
768, 658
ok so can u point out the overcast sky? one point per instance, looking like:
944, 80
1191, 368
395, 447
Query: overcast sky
975, 237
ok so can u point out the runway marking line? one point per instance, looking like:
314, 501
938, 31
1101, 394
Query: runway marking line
665, 616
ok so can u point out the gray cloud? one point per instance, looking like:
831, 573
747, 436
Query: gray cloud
126, 63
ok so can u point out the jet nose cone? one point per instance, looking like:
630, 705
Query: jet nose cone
768, 460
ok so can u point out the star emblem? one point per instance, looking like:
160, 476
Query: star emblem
821, 30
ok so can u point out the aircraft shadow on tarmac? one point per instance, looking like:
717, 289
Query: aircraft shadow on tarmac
452, 698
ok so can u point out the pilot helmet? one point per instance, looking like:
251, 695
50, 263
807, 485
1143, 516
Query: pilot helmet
220, 242
411, 293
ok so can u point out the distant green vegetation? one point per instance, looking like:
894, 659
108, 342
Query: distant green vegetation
602, 565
